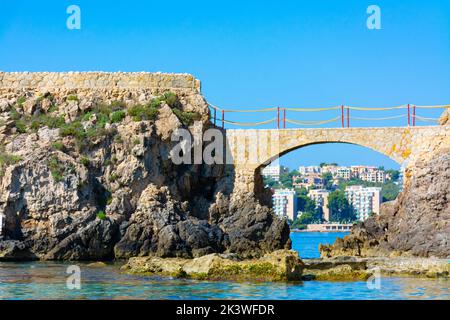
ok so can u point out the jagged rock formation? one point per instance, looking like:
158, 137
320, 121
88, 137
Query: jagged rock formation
86, 173
417, 223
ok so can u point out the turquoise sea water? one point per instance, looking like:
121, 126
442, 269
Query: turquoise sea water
307, 243
47, 280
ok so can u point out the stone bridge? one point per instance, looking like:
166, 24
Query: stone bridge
251, 150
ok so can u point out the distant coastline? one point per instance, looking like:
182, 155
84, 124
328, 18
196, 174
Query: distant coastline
326, 227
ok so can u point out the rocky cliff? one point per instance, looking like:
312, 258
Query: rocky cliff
417, 223
86, 173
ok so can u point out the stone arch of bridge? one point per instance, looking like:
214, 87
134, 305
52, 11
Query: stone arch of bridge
286, 150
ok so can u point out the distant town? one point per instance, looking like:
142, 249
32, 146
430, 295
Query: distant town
329, 197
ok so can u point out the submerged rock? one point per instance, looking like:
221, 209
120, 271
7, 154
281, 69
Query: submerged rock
344, 268
280, 265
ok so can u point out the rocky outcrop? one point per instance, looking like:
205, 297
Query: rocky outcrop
162, 226
346, 268
87, 174
417, 223
281, 265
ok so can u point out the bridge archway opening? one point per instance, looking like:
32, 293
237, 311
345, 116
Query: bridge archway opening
314, 155
348, 165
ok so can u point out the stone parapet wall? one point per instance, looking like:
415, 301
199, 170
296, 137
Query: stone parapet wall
98, 80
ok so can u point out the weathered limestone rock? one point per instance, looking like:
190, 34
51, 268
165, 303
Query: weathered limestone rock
417, 223
167, 122
76, 185
14, 250
160, 226
281, 265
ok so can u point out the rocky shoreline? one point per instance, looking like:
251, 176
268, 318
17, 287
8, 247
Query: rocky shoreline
86, 174
285, 265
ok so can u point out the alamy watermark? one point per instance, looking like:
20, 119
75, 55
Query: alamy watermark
73, 281
374, 20
73, 21
374, 281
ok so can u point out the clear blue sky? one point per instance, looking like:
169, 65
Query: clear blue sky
251, 54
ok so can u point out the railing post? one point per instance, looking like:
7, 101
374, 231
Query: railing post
278, 117
414, 115
284, 118
215, 117
409, 120
348, 117
223, 119
342, 116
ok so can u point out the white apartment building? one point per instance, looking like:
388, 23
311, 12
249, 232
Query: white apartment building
364, 200
274, 171
358, 170
309, 169
285, 203
373, 176
344, 173
320, 197
331, 169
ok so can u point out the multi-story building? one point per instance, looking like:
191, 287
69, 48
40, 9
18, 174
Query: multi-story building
358, 170
274, 171
366, 201
303, 170
320, 197
331, 168
285, 203
309, 180
373, 176
344, 173
368, 173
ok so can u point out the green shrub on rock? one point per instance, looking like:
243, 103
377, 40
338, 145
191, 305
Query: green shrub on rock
187, 118
21, 100
113, 177
21, 126
58, 145
117, 116
170, 98
84, 161
14, 114
141, 112
57, 168
72, 129
44, 120
72, 97
35, 125
101, 215
7, 159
